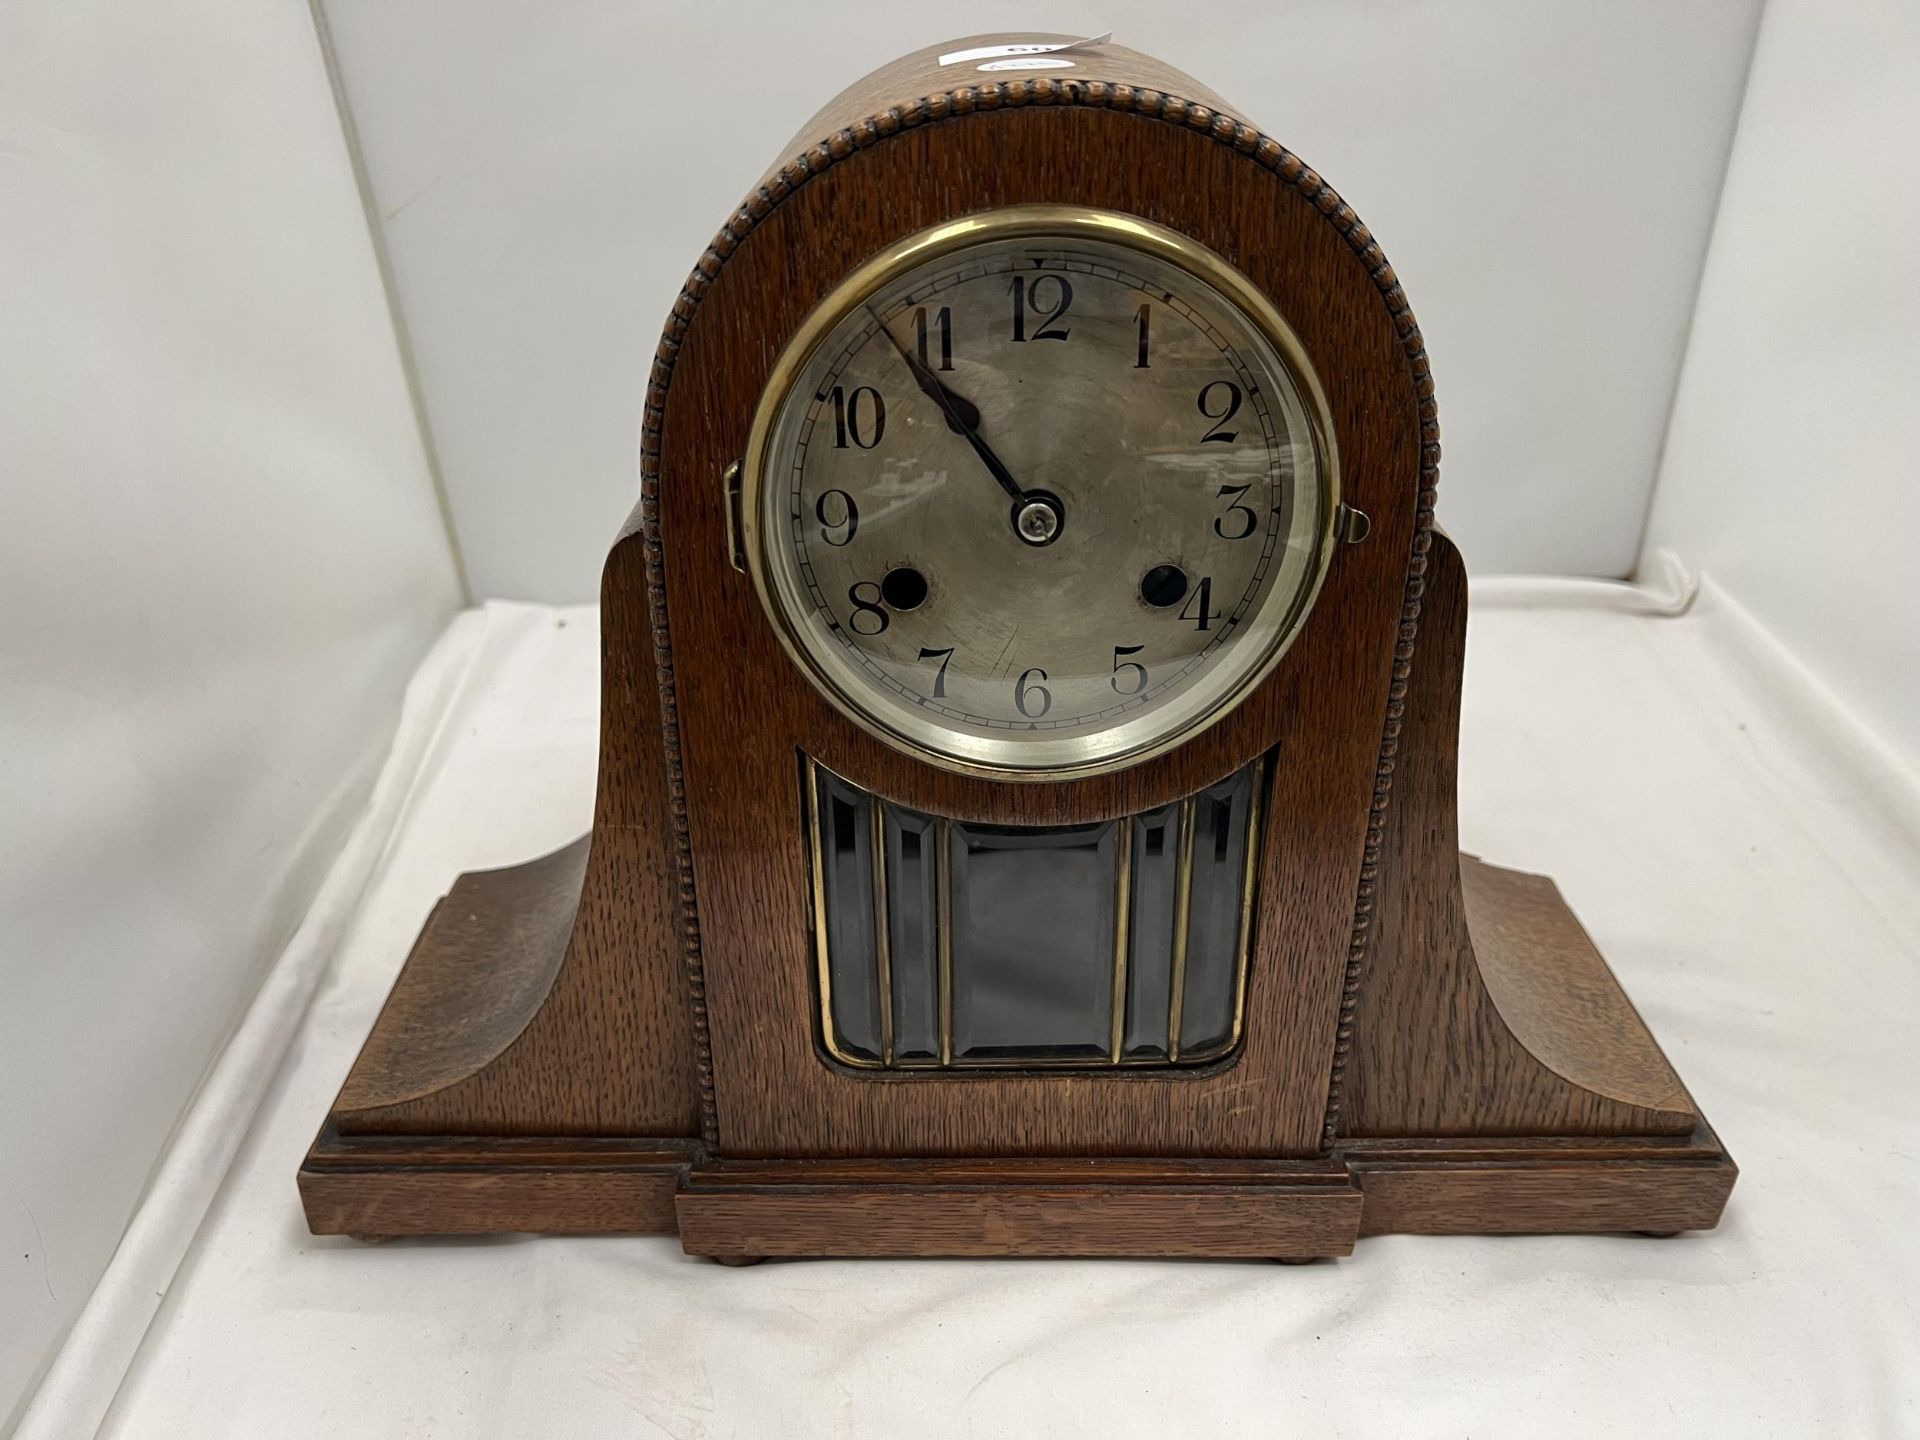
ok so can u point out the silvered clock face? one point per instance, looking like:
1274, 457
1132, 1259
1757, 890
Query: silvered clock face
1041, 492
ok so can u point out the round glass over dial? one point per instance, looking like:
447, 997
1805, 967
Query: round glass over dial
1040, 491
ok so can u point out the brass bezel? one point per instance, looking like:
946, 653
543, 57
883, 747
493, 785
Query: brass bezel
870, 276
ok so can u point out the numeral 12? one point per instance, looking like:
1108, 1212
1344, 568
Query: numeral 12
1025, 296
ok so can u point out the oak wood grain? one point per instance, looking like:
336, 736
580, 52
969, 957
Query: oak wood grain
918, 77
1262, 1221
389, 1202
396, 1185
1324, 708
1483, 1009
1542, 1197
1024, 1170
1558, 999
507, 928
554, 998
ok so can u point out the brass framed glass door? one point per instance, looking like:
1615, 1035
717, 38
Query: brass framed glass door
946, 945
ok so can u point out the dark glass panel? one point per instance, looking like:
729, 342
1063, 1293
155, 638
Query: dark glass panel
1213, 924
1033, 932
1033, 929
1156, 876
913, 936
846, 875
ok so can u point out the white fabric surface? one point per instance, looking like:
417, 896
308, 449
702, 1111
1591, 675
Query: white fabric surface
221, 556
79, 1384
1749, 872
1788, 464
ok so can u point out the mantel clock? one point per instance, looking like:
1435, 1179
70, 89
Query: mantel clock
1025, 820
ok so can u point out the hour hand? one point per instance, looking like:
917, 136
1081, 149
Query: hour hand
963, 416
961, 413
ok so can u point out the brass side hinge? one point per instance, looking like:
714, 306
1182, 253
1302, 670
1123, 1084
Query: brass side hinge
1350, 525
735, 552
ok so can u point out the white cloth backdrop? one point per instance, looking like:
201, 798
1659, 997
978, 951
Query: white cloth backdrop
1542, 174
1709, 817
1789, 471
221, 556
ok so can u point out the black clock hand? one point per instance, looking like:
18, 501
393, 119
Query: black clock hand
963, 416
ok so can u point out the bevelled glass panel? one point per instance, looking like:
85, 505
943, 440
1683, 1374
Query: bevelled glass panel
1156, 884
912, 928
1215, 913
846, 882
1007, 957
1032, 942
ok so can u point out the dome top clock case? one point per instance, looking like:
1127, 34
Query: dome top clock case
1025, 821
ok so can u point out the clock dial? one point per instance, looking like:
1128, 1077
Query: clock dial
1040, 492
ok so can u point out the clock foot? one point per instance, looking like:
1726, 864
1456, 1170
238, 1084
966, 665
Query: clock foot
1657, 1234
372, 1239
736, 1260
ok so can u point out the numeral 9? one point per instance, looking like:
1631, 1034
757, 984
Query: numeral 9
848, 524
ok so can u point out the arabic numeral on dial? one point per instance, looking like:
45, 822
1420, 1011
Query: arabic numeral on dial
837, 531
1048, 301
869, 610
1219, 402
942, 331
1131, 670
945, 657
1199, 606
1144, 318
862, 423
1237, 521
1031, 698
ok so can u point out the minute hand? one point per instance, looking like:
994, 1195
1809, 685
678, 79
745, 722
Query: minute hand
963, 416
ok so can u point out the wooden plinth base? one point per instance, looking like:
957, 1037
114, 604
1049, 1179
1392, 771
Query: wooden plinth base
744, 1210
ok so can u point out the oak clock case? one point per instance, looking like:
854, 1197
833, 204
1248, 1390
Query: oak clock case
1109, 930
